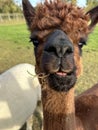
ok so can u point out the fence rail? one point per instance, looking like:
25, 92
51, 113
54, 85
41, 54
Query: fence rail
10, 17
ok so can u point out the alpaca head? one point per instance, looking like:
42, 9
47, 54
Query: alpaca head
59, 31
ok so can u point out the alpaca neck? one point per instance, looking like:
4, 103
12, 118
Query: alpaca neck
58, 110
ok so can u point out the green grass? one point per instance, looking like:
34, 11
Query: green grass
17, 34
15, 48
90, 71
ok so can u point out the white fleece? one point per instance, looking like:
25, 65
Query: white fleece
19, 93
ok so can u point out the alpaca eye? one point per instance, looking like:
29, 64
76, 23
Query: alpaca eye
35, 41
81, 43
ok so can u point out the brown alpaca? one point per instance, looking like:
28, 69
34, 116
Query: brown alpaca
58, 31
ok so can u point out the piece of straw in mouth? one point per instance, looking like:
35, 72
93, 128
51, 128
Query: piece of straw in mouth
40, 75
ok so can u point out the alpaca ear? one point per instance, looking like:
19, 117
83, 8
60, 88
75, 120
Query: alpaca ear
29, 12
94, 17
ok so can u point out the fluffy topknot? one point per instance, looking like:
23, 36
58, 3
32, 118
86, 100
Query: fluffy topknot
60, 15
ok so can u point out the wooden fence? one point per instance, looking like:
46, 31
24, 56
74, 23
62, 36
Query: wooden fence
10, 17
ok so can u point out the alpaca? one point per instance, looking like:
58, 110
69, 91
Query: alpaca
59, 30
19, 94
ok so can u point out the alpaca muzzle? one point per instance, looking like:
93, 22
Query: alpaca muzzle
58, 61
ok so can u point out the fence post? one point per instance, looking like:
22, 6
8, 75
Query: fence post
1, 20
8, 15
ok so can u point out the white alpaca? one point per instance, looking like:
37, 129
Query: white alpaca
19, 93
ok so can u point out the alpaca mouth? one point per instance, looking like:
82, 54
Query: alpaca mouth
61, 74
64, 74
62, 81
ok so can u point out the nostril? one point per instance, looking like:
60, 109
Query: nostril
59, 50
51, 49
68, 50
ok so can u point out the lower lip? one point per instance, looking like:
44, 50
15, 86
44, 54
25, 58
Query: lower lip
61, 74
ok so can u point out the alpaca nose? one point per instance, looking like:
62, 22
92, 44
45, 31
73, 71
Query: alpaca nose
60, 50
59, 44
63, 50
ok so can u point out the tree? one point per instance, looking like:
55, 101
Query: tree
73, 1
9, 6
91, 3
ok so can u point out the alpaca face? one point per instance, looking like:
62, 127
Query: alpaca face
56, 57
58, 61
58, 32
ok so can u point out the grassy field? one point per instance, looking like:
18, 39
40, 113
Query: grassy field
15, 48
